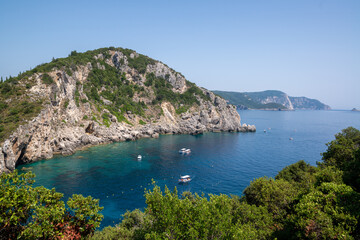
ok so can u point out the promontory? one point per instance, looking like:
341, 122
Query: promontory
102, 96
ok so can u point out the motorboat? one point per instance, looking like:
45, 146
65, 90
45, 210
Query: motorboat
139, 157
185, 150
182, 150
184, 179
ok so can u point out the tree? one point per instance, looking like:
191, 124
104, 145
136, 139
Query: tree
329, 212
301, 174
344, 154
38, 213
276, 195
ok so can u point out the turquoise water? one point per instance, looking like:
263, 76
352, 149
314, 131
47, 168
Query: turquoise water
219, 162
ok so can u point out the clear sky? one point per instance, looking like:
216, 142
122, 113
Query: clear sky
303, 47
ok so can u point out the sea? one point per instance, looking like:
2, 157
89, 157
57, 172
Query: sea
219, 163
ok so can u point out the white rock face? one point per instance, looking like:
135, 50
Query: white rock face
283, 100
63, 126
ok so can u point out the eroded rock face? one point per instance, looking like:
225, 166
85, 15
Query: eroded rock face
63, 126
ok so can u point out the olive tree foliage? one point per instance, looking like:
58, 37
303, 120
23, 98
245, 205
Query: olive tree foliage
28, 212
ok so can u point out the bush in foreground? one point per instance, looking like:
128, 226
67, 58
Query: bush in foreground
28, 212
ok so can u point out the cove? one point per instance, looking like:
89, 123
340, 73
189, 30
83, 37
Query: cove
219, 162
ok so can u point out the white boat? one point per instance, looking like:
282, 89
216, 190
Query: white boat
185, 150
139, 157
182, 150
184, 179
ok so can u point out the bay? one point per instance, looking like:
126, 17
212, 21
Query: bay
219, 162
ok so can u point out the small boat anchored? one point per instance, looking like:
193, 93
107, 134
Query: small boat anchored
139, 157
185, 150
184, 179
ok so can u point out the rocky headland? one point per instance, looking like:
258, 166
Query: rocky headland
271, 100
102, 96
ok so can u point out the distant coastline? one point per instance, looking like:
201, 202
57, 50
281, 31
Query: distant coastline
270, 100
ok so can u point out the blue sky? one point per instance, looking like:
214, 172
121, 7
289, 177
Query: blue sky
304, 48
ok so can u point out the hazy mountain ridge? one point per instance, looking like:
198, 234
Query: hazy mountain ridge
271, 99
101, 96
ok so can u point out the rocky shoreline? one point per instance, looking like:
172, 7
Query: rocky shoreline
37, 140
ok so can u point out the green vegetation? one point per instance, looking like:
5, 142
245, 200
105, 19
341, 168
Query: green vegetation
343, 153
139, 63
163, 92
47, 79
141, 122
28, 212
66, 104
106, 119
14, 113
302, 202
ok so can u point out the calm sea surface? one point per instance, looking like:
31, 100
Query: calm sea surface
219, 162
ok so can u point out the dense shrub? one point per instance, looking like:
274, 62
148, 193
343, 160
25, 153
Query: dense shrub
47, 79
28, 212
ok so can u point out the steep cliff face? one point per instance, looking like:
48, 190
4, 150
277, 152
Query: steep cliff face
105, 96
271, 96
308, 103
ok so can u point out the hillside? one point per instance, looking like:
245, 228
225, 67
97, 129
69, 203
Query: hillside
95, 97
270, 100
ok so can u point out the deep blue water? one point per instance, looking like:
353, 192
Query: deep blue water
219, 162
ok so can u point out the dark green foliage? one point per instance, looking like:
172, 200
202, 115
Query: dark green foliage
328, 174
163, 92
3, 106
14, 113
139, 62
300, 174
276, 195
47, 79
181, 109
66, 104
38, 213
106, 119
141, 122
118, 90
327, 213
344, 154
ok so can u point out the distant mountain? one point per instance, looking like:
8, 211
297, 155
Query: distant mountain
270, 100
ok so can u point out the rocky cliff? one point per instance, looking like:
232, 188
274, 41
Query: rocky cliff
102, 96
308, 104
271, 99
